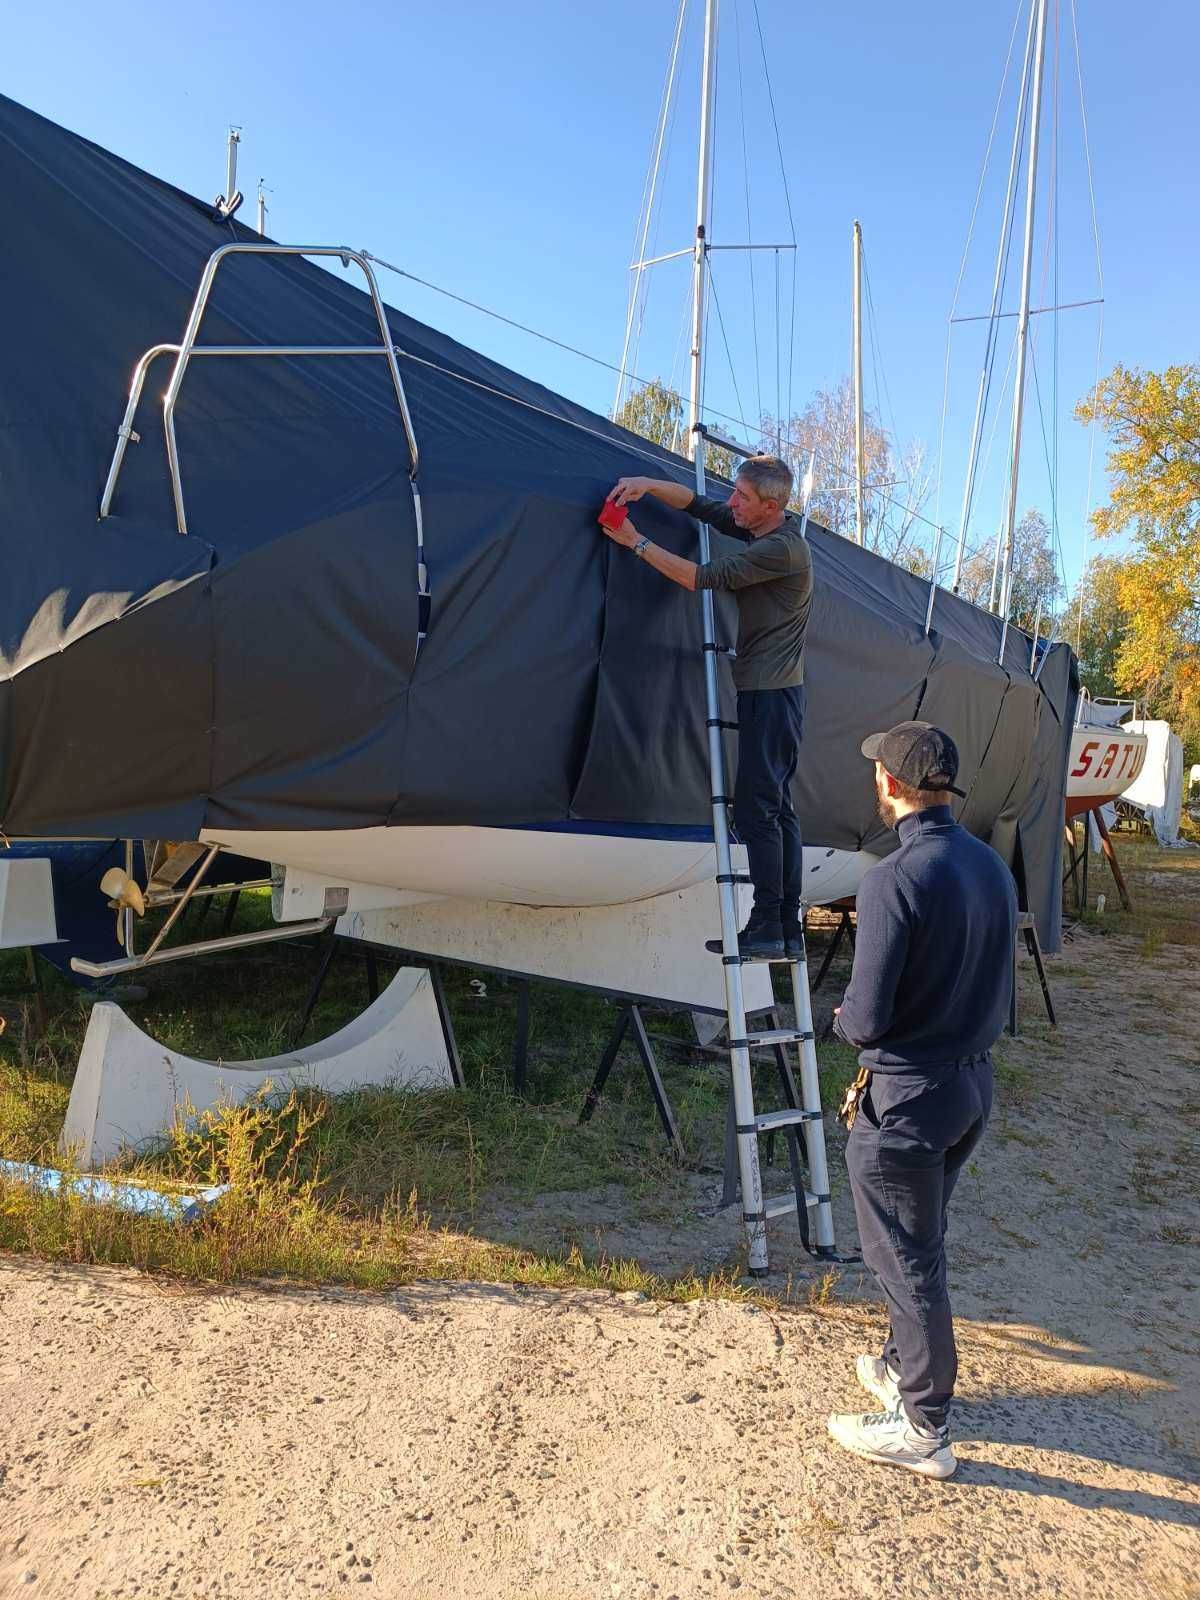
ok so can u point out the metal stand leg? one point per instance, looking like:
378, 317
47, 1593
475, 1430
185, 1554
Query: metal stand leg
594, 1094
657, 1088
842, 928
521, 1042
314, 994
448, 1034
1106, 845
1072, 869
631, 1017
1035, 950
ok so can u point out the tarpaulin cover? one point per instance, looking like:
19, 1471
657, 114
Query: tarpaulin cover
259, 673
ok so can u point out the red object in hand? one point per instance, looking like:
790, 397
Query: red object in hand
612, 515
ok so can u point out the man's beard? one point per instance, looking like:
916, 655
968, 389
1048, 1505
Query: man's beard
885, 808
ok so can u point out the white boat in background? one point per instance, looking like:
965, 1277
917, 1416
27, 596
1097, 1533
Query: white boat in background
1108, 753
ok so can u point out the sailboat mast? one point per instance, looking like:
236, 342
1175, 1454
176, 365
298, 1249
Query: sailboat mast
997, 291
700, 264
856, 256
1023, 324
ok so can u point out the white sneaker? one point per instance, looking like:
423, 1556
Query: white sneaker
878, 1379
889, 1436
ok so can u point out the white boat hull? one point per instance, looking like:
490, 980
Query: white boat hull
517, 866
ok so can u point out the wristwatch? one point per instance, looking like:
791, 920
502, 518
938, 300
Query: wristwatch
639, 548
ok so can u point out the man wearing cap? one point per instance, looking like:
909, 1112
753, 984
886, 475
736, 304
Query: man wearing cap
926, 1002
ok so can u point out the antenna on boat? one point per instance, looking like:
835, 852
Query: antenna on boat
226, 204
1022, 326
262, 208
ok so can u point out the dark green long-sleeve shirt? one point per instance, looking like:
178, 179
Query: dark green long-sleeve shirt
772, 580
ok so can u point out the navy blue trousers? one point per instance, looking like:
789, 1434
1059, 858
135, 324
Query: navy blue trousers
913, 1133
770, 726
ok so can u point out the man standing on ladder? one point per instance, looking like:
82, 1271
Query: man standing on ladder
773, 582
927, 1000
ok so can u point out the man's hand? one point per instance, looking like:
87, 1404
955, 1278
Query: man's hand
627, 490
626, 534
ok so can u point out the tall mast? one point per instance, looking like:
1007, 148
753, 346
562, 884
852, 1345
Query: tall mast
262, 208
856, 256
1023, 323
997, 290
700, 265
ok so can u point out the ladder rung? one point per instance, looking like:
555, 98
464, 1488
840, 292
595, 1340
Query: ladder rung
789, 1117
784, 1205
733, 877
719, 722
771, 1037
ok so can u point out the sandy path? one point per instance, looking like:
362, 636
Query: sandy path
464, 1441
458, 1441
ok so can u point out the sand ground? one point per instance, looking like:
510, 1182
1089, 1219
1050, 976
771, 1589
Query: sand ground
464, 1441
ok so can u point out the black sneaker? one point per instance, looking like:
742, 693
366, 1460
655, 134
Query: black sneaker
793, 940
758, 941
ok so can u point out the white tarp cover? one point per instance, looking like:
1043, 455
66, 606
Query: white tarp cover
1158, 788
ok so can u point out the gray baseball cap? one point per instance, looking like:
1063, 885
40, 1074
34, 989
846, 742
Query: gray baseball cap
917, 753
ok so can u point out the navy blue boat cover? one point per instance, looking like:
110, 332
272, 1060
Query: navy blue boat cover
259, 673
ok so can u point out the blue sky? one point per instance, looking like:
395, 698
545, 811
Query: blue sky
500, 151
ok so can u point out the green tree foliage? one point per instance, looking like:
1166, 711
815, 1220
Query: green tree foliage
1153, 424
1036, 587
1095, 623
658, 414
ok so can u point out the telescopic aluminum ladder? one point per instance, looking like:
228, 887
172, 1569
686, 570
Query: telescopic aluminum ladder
811, 1204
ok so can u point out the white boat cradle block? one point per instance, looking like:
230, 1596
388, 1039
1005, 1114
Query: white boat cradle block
26, 903
653, 947
129, 1089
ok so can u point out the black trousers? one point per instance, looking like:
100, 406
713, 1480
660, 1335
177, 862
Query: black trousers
770, 726
912, 1135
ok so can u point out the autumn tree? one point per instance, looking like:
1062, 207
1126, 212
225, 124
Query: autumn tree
1153, 424
897, 479
1095, 622
1036, 587
657, 413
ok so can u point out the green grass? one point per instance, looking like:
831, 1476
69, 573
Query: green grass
374, 1188
370, 1187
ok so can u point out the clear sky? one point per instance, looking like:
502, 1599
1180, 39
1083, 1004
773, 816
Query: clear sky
500, 150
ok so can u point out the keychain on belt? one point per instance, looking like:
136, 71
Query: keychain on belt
853, 1098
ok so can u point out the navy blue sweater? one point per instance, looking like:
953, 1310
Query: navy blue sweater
933, 959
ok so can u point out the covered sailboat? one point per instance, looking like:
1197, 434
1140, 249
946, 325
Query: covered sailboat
391, 644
